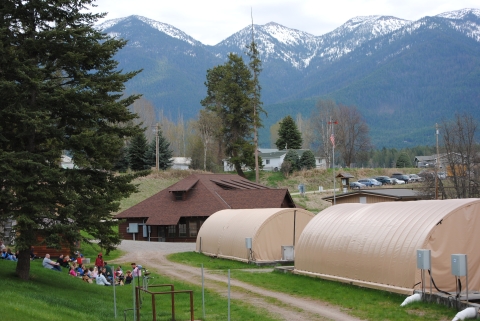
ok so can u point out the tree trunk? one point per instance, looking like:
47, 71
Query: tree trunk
238, 169
23, 264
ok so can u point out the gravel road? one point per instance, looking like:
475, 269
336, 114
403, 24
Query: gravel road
292, 308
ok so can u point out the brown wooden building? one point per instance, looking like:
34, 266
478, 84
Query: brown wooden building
376, 196
177, 213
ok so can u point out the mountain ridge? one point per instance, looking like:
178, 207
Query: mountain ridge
382, 64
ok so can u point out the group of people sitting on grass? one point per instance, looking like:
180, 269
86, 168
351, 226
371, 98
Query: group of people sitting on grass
7, 254
101, 273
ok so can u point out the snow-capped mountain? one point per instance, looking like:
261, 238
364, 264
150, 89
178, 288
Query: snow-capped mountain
355, 32
400, 74
465, 21
165, 28
274, 41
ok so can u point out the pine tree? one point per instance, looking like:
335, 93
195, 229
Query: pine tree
307, 161
122, 162
61, 90
229, 87
403, 161
136, 153
292, 158
289, 137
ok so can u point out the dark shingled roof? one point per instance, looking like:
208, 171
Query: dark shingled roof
206, 194
395, 194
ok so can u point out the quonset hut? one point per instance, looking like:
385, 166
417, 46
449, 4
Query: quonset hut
223, 234
374, 245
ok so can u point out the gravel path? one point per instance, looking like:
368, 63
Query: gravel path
152, 256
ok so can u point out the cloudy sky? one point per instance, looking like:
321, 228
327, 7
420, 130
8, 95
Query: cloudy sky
211, 21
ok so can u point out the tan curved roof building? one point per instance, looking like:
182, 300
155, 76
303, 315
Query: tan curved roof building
374, 245
223, 233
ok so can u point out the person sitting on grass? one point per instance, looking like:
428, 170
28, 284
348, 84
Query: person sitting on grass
119, 275
108, 272
136, 269
10, 256
32, 253
94, 271
128, 277
60, 259
80, 270
100, 279
49, 264
72, 271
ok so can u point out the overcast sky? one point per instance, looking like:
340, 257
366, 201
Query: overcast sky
211, 21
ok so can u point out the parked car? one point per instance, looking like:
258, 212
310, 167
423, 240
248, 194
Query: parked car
416, 178
369, 182
357, 185
396, 181
385, 180
401, 177
375, 182
431, 175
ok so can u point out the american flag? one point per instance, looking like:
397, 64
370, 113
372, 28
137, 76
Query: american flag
332, 139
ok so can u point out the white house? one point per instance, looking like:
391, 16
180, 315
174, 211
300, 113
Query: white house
67, 162
181, 162
272, 159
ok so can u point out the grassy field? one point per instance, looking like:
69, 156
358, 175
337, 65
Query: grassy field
364, 303
51, 295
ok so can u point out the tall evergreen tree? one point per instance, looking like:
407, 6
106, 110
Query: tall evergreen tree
136, 153
61, 90
307, 160
122, 162
403, 160
293, 159
228, 94
289, 137
164, 153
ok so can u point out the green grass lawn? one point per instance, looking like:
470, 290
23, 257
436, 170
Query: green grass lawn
364, 303
51, 295
197, 259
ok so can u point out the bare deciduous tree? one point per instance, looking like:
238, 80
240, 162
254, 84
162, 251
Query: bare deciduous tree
323, 113
460, 155
208, 126
146, 115
305, 128
351, 134
351, 131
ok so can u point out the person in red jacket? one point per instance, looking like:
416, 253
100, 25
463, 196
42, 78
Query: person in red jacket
99, 263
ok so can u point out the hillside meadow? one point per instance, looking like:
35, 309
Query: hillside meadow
312, 179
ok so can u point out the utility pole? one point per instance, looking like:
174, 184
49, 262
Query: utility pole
436, 164
332, 139
157, 163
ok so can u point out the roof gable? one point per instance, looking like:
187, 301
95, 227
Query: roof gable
205, 194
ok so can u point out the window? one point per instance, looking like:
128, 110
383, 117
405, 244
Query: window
267, 161
192, 229
171, 230
178, 196
182, 230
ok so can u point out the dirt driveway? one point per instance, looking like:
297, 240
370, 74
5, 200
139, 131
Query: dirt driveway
152, 255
